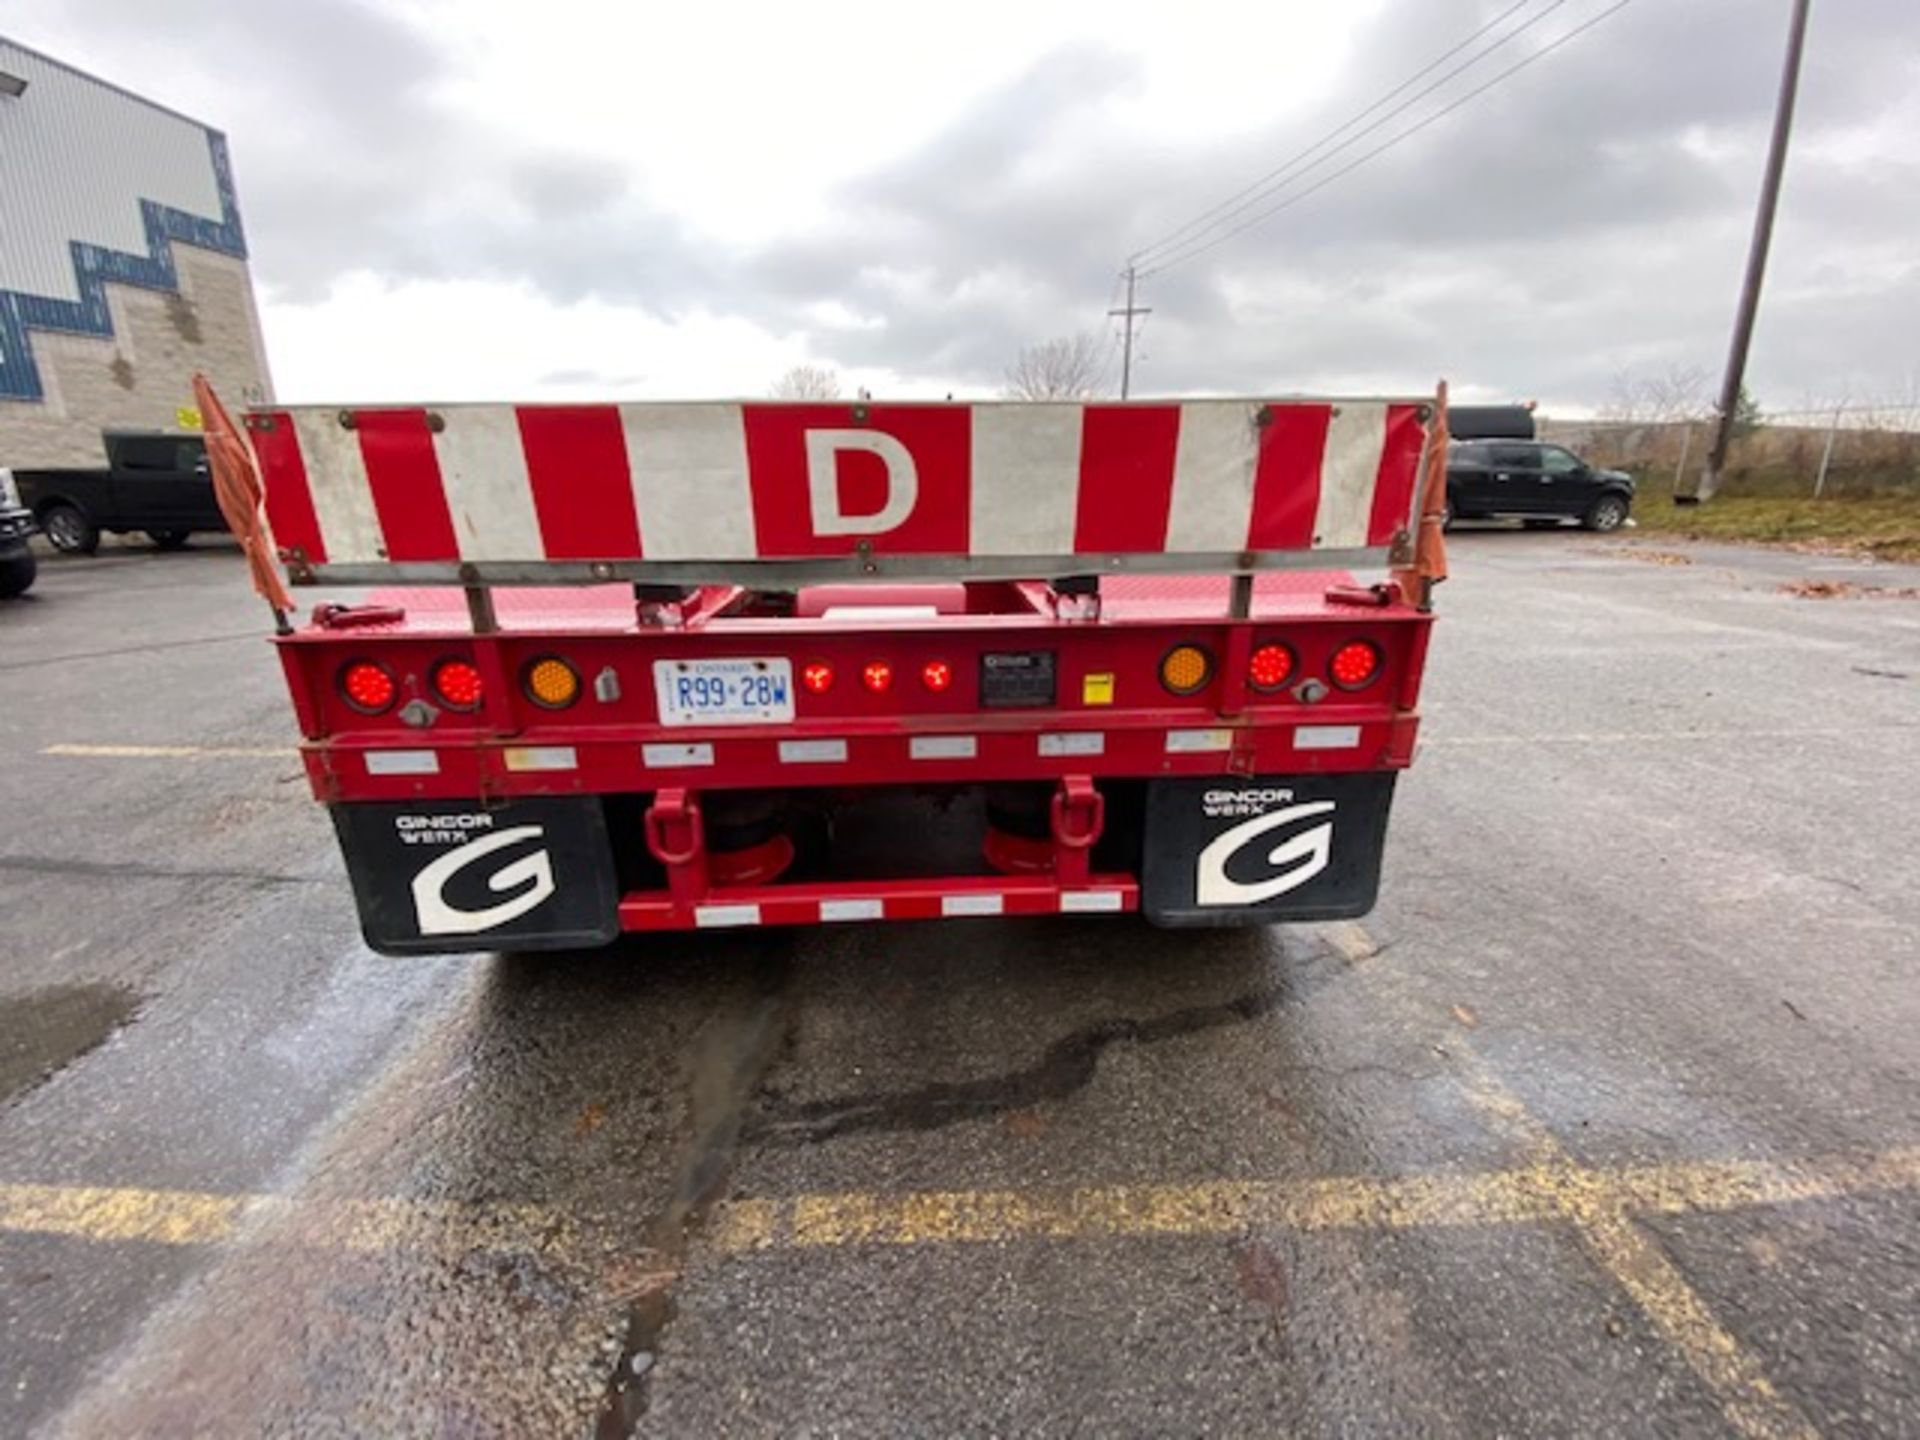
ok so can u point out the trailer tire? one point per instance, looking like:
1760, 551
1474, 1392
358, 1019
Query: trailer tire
169, 539
69, 530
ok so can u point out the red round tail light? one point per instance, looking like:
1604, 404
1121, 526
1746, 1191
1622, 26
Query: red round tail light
457, 683
817, 676
369, 687
1270, 667
1355, 664
877, 676
936, 674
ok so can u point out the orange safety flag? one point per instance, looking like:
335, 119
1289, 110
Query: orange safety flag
1429, 565
236, 484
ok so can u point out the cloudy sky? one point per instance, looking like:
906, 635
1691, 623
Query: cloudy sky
488, 199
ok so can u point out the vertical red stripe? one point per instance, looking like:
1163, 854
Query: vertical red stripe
1126, 477
404, 476
1399, 467
290, 513
1286, 478
582, 486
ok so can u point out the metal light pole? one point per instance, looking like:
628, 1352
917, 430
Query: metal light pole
1756, 262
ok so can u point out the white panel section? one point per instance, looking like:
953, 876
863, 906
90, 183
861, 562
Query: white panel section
943, 747
1326, 737
542, 757
690, 486
1084, 902
812, 752
76, 159
1213, 477
670, 757
721, 917
342, 499
1356, 436
1078, 742
483, 468
1026, 478
831, 910
1191, 742
972, 904
402, 762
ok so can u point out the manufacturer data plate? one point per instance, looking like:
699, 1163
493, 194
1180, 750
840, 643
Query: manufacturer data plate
724, 692
1017, 679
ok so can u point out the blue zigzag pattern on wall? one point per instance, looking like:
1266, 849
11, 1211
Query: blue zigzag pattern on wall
94, 266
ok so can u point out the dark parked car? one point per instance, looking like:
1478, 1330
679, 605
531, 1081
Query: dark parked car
1535, 481
17, 567
152, 482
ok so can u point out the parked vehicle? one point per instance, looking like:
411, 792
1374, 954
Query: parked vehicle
1535, 481
17, 565
152, 482
799, 619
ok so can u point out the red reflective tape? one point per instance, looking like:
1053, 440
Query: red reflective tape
404, 476
283, 470
582, 484
1126, 477
1286, 477
1399, 467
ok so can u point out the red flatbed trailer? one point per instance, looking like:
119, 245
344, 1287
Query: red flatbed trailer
649, 667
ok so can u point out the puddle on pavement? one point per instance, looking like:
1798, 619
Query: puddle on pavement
45, 1030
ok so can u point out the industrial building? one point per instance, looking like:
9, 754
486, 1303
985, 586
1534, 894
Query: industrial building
123, 265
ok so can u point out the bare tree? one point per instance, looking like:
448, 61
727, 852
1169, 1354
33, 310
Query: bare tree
807, 382
1678, 393
1064, 369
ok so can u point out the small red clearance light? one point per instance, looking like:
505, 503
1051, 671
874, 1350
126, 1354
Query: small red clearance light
817, 677
936, 674
457, 683
877, 676
1355, 664
1270, 667
369, 687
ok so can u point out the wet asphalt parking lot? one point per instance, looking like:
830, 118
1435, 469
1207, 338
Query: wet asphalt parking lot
1606, 1121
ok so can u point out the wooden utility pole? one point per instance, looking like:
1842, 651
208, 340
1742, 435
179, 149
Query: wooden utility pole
1126, 352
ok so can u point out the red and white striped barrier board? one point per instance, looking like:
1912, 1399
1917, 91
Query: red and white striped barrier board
703, 490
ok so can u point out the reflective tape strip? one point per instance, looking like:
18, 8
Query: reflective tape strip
943, 747
1076, 742
724, 917
671, 757
1074, 902
542, 757
831, 910
972, 904
403, 762
812, 752
1326, 737
1189, 742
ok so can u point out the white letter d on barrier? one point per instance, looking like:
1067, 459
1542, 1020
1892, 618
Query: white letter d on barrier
823, 482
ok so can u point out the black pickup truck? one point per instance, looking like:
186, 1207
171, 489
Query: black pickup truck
152, 482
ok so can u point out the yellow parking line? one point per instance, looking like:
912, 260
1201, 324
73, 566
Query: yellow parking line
171, 752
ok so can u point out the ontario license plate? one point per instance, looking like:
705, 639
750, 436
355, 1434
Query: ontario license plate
724, 692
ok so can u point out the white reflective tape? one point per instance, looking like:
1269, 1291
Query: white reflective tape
943, 747
1212, 503
402, 762
1089, 901
671, 757
722, 917
1074, 742
972, 904
812, 752
542, 757
690, 486
1026, 478
1349, 470
1326, 737
831, 910
1190, 742
483, 469
342, 498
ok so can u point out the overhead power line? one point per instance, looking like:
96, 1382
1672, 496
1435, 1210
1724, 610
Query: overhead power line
1227, 206
1201, 246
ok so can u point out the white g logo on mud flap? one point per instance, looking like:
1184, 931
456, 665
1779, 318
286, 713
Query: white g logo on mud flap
1306, 853
437, 917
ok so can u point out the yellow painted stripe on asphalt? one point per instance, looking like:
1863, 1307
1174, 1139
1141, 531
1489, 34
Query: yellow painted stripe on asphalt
171, 752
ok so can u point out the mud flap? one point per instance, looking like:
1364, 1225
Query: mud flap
1253, 851
445, 876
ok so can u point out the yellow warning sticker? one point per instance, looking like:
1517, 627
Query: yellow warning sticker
1097, 689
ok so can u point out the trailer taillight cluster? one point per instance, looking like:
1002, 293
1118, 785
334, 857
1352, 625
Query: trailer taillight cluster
1355, 664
